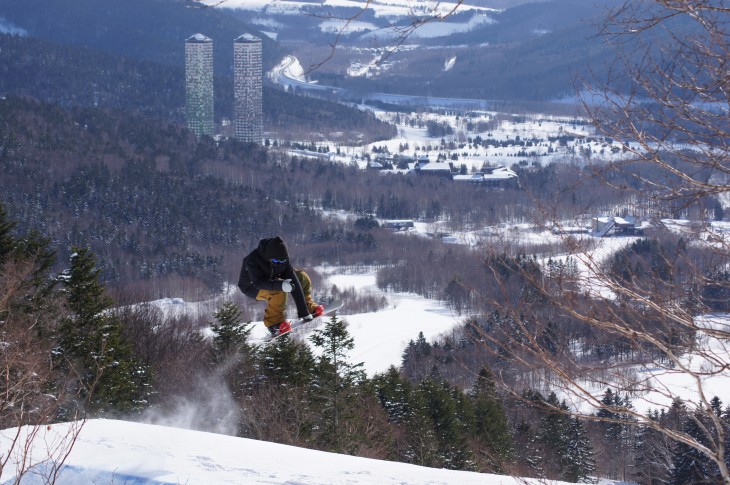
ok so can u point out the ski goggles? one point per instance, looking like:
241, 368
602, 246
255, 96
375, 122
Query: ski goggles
278, 261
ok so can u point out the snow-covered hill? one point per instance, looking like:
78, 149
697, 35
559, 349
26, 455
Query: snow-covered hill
120, 452
381, 8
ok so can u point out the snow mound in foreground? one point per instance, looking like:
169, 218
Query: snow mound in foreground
109, 451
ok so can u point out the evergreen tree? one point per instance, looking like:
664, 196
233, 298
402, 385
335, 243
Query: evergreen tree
31, 387
691, 466
442, 408
230, 334
337, 382
36, 248
287, 362
615, 424
230, 347
652, 459
553, 437
726, 427
415, 354
284, 376
567, 453
91, 342
677, 415
7, 242
407, 410
579, 460
716, 406
394, 393
492, 427
32, 250
530, 453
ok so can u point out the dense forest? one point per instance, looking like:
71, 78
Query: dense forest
136, 191
148, 30
72, 352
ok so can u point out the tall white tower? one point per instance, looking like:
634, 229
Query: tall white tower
199, 84
247, 88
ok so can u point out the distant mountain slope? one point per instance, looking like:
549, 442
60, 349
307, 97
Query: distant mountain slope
79, 76
139, 29
82, 77
533, 51
530, 51
539, 68
522, 23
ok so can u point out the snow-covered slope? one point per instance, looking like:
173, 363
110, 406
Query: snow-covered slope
380, 337
120, 452
379, 7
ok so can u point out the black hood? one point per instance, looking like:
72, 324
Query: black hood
274, 248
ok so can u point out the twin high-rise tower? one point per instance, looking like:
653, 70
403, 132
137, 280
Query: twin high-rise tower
247, 86
199, 84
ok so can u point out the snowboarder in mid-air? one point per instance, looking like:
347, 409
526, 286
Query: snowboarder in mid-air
267, 275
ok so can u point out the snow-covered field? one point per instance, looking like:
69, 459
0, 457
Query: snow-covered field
534, 138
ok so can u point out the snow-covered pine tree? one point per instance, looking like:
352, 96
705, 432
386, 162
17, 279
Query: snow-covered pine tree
230, 334
394, 393
231, 351
337, 381
287, 362
615, 422
406, 408
91, 344
7, 241
34, 250
580, 463
652, 458
447, 417
691, 466
492, 427
553, 437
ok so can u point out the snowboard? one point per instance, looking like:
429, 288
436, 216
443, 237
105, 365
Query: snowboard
329, 309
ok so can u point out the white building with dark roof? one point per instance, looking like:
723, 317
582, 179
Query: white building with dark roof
498, 176
439, 169
199, 84
248, 88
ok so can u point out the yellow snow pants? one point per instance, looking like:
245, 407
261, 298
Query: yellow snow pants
275, 311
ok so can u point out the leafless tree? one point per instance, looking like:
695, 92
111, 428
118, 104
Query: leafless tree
668, 102
32, 391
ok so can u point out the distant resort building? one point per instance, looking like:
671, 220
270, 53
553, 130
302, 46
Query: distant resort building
399, 224
199, 84
497, 176
604, 226
247, 88
488, 176
440, 169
